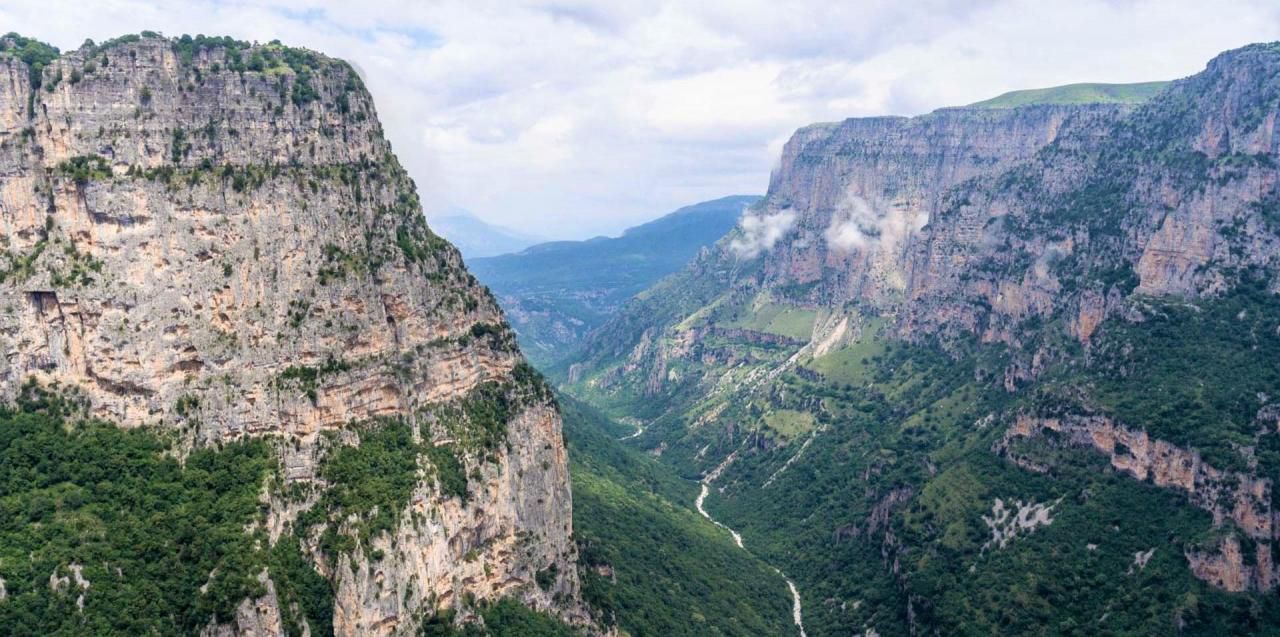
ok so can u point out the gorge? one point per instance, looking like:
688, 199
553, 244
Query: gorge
1005, 368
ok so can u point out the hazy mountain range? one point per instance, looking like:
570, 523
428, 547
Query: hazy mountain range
555, 293
475, 237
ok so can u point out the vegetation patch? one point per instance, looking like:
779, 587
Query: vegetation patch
852, 364
85, 168
370, 482
647, 561
339, 263
306, 378
503, 618
20, 267
304, 593
789, 423
35, 54
478, 421
1192, 374
81, 267
775, 318
162, 544
499, 336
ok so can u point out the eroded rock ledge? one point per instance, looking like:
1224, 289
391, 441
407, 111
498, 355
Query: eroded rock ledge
1235, 499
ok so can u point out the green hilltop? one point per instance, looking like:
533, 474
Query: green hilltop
1085, 93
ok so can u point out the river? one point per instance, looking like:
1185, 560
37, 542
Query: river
797, 614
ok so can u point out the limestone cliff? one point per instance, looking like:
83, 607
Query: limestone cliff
967, 220
215, 238
864, 189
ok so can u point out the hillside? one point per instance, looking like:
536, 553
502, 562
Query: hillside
648, 561
476, 238
989, 370
555, 293
246, 390
1087, 93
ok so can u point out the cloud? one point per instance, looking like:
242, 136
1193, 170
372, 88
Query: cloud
577, 117
858, 226
760, 231
854, 227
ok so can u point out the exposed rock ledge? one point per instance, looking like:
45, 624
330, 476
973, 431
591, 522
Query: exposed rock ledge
1241, 499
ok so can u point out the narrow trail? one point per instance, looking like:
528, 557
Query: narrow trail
797, 614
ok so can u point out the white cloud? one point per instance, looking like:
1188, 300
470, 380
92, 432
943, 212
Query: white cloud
858, 226
758, 232
853, 228
571, 118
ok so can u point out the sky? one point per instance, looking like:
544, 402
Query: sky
568, 119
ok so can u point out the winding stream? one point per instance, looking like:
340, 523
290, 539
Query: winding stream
737, 537
639, 430
796, 609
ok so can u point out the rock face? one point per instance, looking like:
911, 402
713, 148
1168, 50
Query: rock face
254, 617
1240, 500
972, 220
217, 239
863, 189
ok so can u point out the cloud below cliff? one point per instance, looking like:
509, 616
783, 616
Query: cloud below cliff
571, 118
758, 232
858, 226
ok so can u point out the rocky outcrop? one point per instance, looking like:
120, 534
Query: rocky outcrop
258, 617
1241, 500
1006, 523
493, 546
1229, 569
863, 189
215, 238
881, 513
753, 337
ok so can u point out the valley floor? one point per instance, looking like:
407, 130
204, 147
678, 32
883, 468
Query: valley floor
797, 608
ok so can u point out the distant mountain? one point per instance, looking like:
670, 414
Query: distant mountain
1086, 93
554, 293
475, 237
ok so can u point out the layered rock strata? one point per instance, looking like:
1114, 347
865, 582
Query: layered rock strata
216, 239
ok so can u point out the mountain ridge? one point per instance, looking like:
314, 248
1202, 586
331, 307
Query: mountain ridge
1078, 93
477, 238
